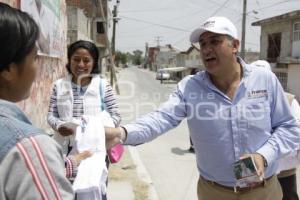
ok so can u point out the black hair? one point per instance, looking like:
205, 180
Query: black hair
18, 35
90, 47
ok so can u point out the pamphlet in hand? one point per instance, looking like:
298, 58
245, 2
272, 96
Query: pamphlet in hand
245, 172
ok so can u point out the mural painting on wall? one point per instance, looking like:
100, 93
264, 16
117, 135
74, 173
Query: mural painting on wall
47, 14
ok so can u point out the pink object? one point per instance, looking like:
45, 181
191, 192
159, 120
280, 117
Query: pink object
115, 153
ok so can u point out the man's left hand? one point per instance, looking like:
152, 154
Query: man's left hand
259, 162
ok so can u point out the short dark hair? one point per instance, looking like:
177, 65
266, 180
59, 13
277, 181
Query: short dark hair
90, 47
18, 35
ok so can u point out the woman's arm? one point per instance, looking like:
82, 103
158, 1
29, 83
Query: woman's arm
53, 116
111, 105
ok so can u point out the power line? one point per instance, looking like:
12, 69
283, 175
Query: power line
161, 25
221, 6
146, 10
172, 19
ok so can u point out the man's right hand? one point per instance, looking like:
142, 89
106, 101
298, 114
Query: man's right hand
113, 137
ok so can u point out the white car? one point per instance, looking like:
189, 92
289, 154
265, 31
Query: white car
162, 75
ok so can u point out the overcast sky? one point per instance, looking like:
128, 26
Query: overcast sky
143, 21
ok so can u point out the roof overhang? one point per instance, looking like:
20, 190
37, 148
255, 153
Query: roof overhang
290, 15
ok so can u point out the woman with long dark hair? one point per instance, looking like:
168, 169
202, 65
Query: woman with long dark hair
81, 92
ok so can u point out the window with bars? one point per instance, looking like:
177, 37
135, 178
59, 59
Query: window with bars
297, 31
282, 77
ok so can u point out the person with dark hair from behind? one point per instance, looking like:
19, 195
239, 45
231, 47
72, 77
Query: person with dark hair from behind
32, 165
81, 92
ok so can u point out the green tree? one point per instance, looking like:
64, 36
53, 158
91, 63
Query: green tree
121, 58
137, 57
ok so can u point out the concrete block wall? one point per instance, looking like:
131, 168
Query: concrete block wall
283, 27
79, 26
88, 9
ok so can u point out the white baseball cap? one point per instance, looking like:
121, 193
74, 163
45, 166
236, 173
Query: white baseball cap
220, 25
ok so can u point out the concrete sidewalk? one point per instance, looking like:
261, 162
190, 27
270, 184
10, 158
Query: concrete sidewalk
120, 190
128, 179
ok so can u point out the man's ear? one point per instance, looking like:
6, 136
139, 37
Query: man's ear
10, 73
235, 45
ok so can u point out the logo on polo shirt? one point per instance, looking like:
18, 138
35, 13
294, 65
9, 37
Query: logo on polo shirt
257, 94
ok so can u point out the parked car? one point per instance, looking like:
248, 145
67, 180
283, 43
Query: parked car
162, 75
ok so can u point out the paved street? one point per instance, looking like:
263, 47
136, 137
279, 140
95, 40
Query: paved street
170, 166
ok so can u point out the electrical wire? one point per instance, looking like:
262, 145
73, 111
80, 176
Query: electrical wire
215, 2
156, 24
147, 10
221, 6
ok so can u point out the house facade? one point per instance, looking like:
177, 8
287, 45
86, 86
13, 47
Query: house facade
86, 21
190, 60
193, 59
151, 58
166, 56
280, 45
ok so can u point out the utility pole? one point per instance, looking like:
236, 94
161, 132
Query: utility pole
146, 56
111, 64
244, 29
158, 40
114, 12
113, 40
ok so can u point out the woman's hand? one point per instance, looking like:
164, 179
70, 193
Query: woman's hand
81, 156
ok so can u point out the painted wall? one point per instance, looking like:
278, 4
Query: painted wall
50, 69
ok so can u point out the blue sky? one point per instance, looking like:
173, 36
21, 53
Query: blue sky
142, 21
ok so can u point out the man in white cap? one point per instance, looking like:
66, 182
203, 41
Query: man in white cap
232, 110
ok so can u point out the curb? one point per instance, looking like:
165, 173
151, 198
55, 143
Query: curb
143, 173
